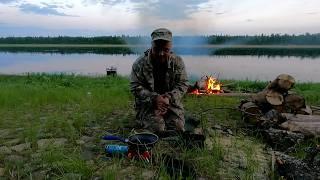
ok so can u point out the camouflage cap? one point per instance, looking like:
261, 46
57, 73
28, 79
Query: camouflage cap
161, 33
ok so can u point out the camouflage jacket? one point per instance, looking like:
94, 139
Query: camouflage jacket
142, 84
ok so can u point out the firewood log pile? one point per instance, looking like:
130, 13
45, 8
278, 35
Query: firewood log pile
286, 121
277, 107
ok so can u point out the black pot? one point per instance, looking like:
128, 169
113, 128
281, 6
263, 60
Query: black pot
139, 141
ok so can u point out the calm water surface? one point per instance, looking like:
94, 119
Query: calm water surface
226, 67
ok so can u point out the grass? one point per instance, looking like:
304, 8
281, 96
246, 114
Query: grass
42, 106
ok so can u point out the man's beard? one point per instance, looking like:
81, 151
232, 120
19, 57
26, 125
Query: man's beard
160, 59
163, 59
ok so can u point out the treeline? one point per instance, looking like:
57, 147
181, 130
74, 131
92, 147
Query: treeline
273, 39
63, 40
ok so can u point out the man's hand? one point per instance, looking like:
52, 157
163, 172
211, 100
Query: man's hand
162, 104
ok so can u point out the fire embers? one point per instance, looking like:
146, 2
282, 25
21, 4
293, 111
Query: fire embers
206, 85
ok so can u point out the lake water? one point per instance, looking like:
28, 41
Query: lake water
226, 67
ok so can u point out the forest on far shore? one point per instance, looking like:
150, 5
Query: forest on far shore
273, 39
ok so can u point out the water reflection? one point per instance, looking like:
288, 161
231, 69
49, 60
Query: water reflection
227, 67
273, 50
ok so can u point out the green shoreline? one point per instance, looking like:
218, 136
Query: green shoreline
51, 125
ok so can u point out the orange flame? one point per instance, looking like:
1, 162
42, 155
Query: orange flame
212, 85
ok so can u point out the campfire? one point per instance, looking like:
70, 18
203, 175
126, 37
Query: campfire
206, 85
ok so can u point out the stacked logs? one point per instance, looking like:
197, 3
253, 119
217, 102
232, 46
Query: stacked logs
266, 106
286, 121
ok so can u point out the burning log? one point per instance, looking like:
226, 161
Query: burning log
206, 85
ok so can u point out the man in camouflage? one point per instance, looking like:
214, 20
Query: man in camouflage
158, 82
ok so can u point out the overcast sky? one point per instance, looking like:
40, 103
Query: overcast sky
140, 17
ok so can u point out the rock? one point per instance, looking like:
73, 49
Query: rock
57, 142
148, 174
2, 170
5, 150
21, 147
13, 142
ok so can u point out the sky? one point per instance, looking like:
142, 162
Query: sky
140, 17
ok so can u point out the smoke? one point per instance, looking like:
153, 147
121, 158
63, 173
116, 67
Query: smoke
178, 16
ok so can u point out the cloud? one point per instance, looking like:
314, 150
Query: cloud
7, 1
168, 9
46, 10
51, 6
104, 2
163, 9
112, 2
69, 5
55, 5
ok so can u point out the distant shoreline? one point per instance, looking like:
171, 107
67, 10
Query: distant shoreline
144, 45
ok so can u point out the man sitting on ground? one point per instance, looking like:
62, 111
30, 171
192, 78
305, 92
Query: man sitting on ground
158, 82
